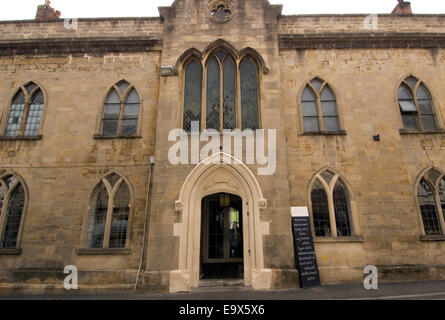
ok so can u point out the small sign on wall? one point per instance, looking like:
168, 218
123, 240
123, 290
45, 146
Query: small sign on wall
305, 257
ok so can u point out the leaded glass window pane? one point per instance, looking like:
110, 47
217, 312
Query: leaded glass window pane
405, 94
327, 176
213, 95
442, 195
317, 83
229, 94
34, 114
426, 108
119, 222
113, 179
131, 110
192, 94
98, 216
15, 115
111, 114
411, 82
428, 209
308, 95
342, 210
249, 95
123, 85
320, 211
30, 87
329, 109
13, 218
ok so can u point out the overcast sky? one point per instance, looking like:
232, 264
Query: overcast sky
26, 9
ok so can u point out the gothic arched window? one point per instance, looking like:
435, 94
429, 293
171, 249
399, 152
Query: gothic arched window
121, 110
416, 106
319, 108
110, 210
331, 208
431, 198
221, 106
26, 112
12, 204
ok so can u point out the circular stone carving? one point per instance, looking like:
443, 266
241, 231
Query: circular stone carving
221, 11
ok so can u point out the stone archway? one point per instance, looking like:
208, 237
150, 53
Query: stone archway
219, 173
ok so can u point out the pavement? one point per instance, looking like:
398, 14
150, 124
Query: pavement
428, 290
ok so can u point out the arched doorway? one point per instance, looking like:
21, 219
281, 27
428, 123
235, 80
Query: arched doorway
220, 173
222, 254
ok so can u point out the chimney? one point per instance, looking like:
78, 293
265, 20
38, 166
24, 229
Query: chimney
45, 12
402, 8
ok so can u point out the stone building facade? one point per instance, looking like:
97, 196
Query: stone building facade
356, 103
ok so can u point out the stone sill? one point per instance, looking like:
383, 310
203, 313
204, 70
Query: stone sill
325, 133
97, 252
353, 239
404, 131
101, 137
21, 138
432, 238
10, 252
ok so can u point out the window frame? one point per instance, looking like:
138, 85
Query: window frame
329, 190
20, 180
123, 98
317, 94
413, 92
84, 249
203, 60
435, 189
28, 97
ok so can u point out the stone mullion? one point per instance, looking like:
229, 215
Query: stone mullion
106, 241
121, 118
440, 212
320, 112
3, 212
24, 117
416, 102
221, 97
332, 207
239, 123
204, 99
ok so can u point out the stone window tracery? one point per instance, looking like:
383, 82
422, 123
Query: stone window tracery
416, 106
331, 208
109, 214
25, 112
12, 204
221, 107
319, 108
121, 110
431, 201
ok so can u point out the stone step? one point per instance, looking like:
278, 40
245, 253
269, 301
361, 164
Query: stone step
220, 285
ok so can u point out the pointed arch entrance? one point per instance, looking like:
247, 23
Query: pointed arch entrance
220, 173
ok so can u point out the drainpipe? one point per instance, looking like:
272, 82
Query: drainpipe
147, 202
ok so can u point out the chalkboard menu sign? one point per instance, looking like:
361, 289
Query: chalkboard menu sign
305, 258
